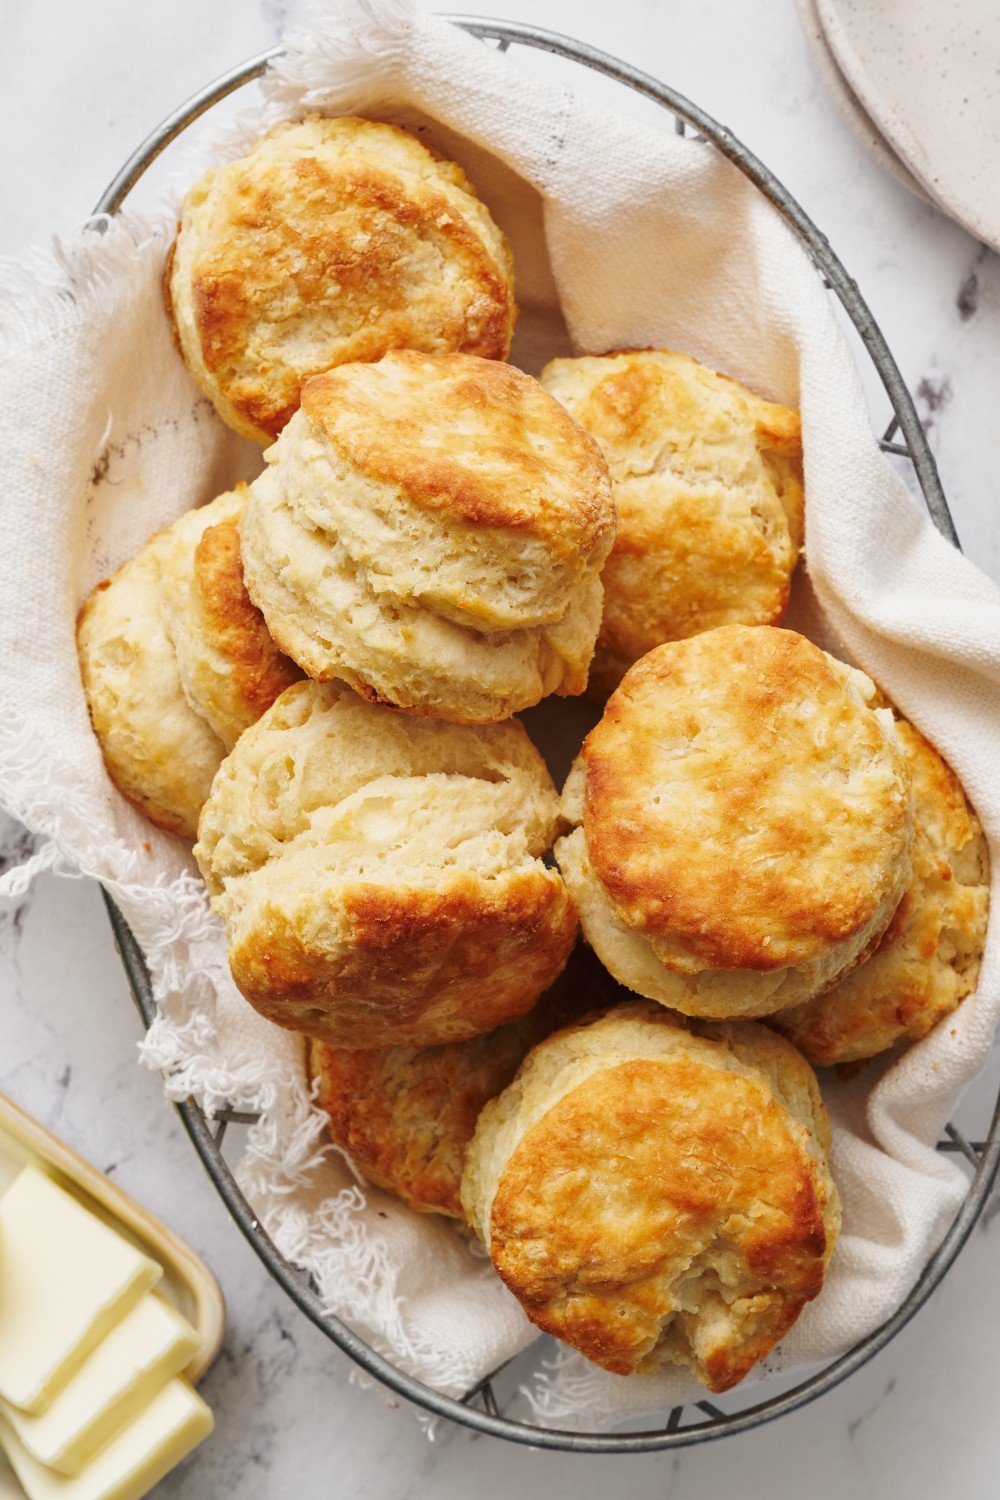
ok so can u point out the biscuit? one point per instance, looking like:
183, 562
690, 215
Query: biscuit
743, 823
928, 959
707, 479
431, 529
381, 876
333, 240
658, 1195
176, 662
406, 1115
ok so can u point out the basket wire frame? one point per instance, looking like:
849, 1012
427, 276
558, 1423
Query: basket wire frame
480, 1407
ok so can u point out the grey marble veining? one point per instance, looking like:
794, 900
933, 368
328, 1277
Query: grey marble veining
82, 85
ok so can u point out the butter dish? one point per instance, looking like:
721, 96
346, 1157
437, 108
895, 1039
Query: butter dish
187, 1283
66, 1280
173, 1423
150, 1345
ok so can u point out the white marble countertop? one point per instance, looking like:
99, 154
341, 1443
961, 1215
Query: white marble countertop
83, 84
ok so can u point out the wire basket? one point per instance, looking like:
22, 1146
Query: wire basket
486, 1407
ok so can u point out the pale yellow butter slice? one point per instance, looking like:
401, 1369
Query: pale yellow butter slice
173, 1423
66, 1279
150, 1345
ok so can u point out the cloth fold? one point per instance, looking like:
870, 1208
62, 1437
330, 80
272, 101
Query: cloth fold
623, 235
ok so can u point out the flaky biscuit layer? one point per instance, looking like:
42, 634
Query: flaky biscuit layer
405, 1115
743, 823
381, 877
176, 662
653, 1194
333, 240
431, 529
707, 479
928, 959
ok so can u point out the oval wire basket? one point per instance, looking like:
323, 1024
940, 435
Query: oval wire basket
481, 1407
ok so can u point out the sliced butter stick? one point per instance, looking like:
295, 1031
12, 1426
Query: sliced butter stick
66, 1279
150, 1345
174, 1423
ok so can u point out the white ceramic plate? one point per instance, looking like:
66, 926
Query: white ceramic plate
847, 101
928, 77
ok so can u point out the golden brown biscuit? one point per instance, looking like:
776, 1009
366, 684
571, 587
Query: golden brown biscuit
333, 240
381, 876
707, 478
431, 529
744, 823
928, 959
229, 664
176, 662
654, 1195
406, 1115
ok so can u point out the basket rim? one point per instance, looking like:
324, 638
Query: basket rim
915, 447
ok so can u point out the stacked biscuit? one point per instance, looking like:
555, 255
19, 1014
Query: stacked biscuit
317, 678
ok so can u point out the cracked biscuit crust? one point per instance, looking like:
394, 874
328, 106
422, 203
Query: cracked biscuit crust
381, 877
176, 662
746, 823
707, 479
431, 529
405, 1115
653, 1194
333, 240
928, 959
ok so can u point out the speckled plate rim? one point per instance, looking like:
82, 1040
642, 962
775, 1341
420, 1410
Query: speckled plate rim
904, 437
853, 112
901, 128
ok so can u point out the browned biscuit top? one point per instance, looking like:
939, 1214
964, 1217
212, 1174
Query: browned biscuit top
744, 802
652, 1195
928, 959
232, 624
332, 240
405, 967
473, 438
595, 1188
707, 479
405, 1115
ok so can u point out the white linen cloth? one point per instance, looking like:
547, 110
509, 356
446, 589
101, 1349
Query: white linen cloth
623, 235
